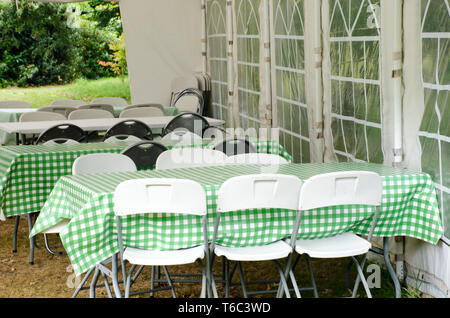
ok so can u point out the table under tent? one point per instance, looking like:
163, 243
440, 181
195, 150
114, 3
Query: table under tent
342, 80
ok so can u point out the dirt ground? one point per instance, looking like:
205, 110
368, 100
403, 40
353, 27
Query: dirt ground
51, 275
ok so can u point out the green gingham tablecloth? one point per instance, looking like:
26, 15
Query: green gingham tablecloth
409, 207
28, 173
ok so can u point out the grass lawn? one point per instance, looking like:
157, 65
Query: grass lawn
81, 89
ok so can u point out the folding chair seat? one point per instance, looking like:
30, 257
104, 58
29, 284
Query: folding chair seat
336, 189
162, 196
260, 193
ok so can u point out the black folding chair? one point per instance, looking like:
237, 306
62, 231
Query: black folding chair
65, 131
235, 146
130, 127
187, 121
145, 153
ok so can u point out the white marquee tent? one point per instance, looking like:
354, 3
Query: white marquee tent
343, 80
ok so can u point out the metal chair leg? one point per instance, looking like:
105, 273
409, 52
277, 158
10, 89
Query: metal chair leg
241, 276
363, 280
32, 243
16, 228
311, 276
83, 281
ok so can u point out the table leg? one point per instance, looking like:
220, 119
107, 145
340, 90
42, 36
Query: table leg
390, 268
114, 277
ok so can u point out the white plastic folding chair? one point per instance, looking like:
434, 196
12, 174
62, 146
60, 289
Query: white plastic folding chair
182, 136
114, 101
336, 189
189, 157
107, 107
119, 138
90, 114
14, 104
256, 158
149, 111
251, 192
41, 116
99, 163
162, 196
67, 102
145, 105
60, 109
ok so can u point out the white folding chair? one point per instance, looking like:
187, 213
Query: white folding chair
90, 114
118, 138
256, 158
59, 109
156, 196
107, 107
189, 157
14, 104
336, 189
114, 101
67, 102
149, 111
182, 136
261, 191
41, 116
99, 163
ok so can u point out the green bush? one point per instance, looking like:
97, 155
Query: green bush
37, 47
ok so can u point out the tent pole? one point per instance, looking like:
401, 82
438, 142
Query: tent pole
267, 65
204, 53
230, 60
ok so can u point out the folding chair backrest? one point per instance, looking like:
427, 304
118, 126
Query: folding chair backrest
114, 101
90, 114
102, 163
235, 146
67, 102
149, 111
118, 138
14, 104
159, 195
107, 107
68, 131
63, 110
145, 153
61, 141
130, 127
256, 158
259, 191
341, 188
41, 116
189, 157
190, 121
182, 136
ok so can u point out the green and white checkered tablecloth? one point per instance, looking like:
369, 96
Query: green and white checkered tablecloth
28, 173
409, 207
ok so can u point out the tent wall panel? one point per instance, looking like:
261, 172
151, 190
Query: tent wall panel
160, 48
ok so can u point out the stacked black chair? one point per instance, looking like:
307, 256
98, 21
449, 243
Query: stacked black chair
192, 92
130, 127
